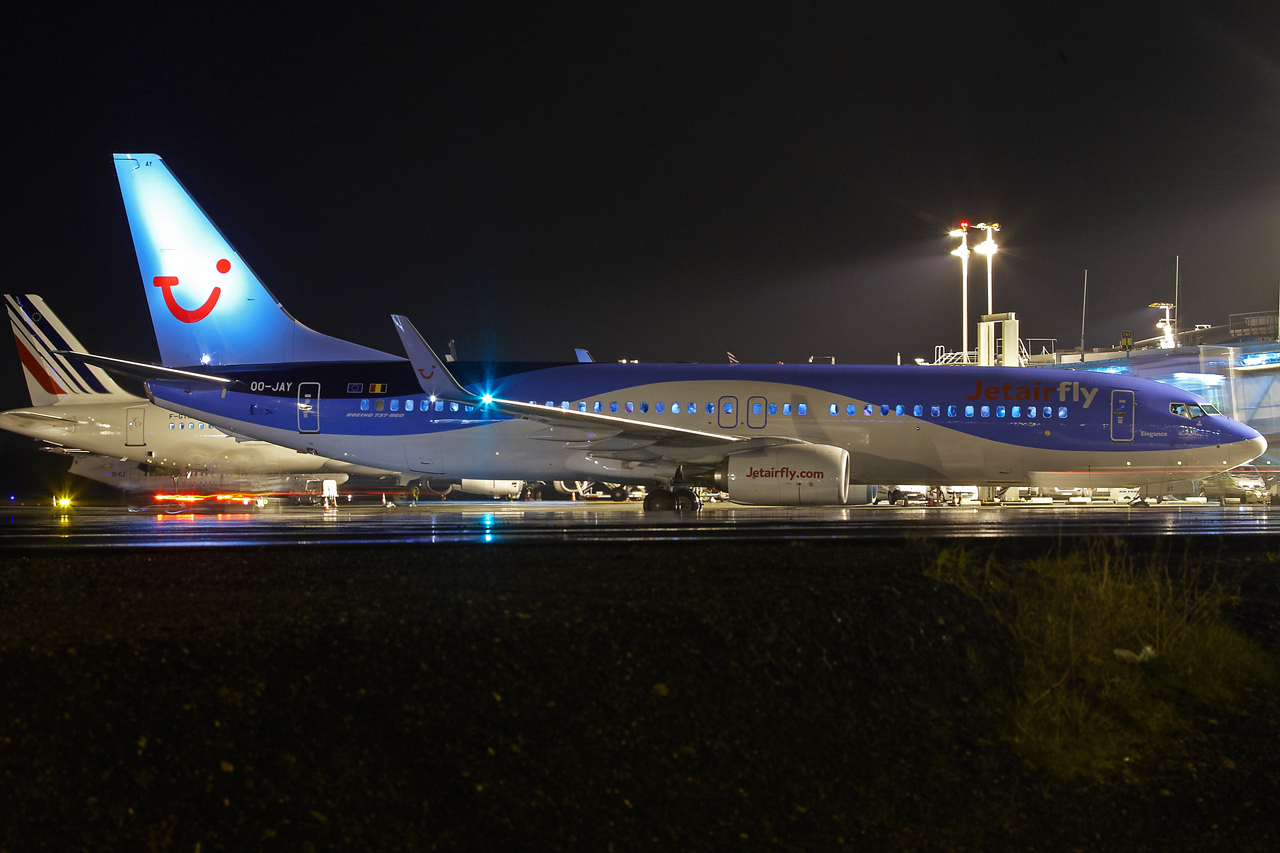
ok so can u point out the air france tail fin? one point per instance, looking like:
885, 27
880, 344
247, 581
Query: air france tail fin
52, 378
207, 306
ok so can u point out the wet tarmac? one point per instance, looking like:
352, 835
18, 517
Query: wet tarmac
484, 522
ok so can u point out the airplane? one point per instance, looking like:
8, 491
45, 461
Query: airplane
127, 442
765, 434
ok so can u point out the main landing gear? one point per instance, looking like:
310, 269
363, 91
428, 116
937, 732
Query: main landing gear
667, 500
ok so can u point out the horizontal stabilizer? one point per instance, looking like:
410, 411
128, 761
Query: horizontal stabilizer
145, 372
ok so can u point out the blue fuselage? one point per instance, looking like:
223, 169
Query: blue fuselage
916, 424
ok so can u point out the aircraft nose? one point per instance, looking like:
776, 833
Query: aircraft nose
1257, 446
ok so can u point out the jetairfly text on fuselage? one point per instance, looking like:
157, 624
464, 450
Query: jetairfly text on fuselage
1009, 391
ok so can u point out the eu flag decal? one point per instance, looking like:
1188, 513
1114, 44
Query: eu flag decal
355, 387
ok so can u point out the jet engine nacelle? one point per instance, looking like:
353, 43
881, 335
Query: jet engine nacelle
570, 487
438, 488
493, 488
790, 475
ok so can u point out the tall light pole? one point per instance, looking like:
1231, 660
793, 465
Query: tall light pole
962, 252
988, 247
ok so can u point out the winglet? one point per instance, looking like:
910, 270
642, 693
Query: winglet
434, 377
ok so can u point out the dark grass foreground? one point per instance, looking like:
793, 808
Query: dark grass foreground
675, 696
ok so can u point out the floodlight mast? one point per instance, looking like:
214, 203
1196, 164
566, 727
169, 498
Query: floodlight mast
988, 247
962, 252
1168, 340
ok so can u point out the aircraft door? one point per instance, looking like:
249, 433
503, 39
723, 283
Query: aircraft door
135, 430
308, 407
757, 412
728, 412
1122, 416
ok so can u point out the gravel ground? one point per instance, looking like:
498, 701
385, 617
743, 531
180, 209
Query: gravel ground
612, 697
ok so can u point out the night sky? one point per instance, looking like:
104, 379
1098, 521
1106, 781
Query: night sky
659, 182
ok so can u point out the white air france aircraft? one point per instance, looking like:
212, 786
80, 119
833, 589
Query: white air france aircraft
766, 434
129, 443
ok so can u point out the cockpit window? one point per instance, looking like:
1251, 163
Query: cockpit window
1188, 410
1210, 409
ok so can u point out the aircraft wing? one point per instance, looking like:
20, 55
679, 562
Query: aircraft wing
586, 430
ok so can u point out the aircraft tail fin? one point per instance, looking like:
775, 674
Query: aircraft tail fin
208, 307
53, 378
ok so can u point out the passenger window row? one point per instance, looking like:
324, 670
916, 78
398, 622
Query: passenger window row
800, 409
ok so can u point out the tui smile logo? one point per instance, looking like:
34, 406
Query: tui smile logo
189, 315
